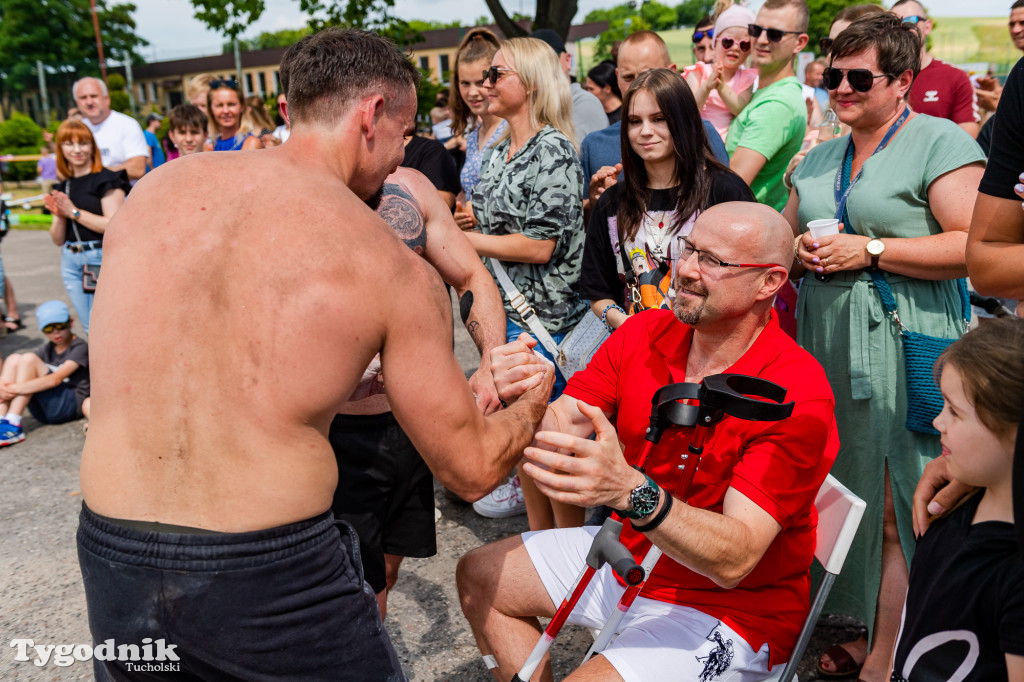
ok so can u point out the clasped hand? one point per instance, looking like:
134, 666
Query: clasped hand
833, 253
59, 204
579, 471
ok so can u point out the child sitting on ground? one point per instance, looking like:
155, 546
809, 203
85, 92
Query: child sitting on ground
187, 128
53, 382
964, 614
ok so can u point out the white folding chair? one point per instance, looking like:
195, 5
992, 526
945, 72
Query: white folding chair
839, 514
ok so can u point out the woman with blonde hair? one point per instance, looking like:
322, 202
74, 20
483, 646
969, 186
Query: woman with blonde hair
82, 204
230, 128
529, 203
197, 88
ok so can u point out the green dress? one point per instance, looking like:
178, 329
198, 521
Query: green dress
843, 324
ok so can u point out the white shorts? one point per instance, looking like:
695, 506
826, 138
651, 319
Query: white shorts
657, 640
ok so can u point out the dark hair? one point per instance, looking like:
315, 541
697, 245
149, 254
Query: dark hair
604, 74
991, 365
185, 116
324, 73
695, 162
803, 15
1017, 5
707, 20
854, 12
896, 44
477, 45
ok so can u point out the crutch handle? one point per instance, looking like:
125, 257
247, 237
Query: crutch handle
607, 549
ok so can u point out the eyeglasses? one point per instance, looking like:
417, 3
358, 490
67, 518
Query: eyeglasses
700, 35
774, 34
727, 43
709, 262
492, 74
224, 83
914, 19
860, 80
826, 45
56, 327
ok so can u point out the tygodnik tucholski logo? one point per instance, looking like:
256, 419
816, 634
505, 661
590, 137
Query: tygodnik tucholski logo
149, 656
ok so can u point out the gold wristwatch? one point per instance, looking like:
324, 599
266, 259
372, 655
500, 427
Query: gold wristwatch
875, 248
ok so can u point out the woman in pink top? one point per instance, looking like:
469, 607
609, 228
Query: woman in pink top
723, 88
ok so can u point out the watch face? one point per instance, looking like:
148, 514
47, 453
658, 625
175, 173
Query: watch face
876, 247
644, 500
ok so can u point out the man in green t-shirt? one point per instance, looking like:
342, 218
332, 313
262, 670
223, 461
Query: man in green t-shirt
769, 130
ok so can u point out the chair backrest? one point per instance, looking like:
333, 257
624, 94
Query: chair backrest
839, 514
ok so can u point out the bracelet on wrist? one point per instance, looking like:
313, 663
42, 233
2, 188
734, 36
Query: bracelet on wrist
604, 315
658, 519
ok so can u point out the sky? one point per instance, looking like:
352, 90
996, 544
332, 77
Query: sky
173, 33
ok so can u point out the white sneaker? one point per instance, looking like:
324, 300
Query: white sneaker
505, 500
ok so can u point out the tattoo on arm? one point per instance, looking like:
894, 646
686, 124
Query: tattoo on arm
466, 307
473, 328
399, 209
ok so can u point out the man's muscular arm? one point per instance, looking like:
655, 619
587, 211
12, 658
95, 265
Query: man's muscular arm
415, 211
469, 453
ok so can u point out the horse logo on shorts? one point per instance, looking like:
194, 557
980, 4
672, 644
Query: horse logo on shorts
720, 658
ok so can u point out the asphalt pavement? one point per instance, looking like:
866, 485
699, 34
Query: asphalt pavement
41, 595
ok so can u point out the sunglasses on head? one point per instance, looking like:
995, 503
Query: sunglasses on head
860, 80
224, 83
727, 43
492, 74
701, 35
914, 19
826, 45
56, 327
774, 34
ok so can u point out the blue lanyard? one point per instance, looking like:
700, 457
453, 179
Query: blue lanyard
840, 195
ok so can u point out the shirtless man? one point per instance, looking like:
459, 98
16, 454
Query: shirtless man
385, 489
208, 451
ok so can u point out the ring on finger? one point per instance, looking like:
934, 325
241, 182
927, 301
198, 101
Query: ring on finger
825, 261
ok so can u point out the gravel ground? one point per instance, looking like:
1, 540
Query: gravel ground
41, 594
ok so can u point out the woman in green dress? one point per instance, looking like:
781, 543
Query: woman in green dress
912, 181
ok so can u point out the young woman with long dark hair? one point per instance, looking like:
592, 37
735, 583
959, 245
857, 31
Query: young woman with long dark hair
669, 176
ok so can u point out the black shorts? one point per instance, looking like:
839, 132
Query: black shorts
385, 490
285, 603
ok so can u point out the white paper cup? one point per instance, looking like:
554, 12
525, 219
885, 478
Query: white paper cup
821, 228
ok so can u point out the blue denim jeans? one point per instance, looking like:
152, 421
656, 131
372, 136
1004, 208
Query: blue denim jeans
286, 603
512, 332
71, 270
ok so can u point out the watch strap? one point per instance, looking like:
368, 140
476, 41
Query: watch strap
632, 514
658, 518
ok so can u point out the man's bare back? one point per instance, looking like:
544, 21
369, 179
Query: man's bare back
212, 414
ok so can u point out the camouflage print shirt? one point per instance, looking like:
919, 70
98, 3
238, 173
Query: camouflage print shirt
539, 194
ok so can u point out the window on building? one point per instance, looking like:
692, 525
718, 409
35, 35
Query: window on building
248, 84
152, 92
277, 81
142, 93
262, 79
424, 62
445, 68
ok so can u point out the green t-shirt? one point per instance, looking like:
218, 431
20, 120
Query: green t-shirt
773, 125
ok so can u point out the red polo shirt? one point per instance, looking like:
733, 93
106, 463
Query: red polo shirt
778, 465
944, 91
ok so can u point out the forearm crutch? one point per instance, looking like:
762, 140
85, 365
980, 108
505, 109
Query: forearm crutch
606, 547
721, 395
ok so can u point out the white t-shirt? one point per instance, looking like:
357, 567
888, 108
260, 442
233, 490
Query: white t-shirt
282, 132
119, 138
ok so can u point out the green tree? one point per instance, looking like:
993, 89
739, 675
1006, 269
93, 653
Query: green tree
270, 39
689, 12
20, 135
118, 97
373, 15
60, 34
822, 14
229, 18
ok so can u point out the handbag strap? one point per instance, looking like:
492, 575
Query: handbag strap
74, 223
843, 186
523, 308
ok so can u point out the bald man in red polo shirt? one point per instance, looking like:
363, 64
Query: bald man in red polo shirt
733, 588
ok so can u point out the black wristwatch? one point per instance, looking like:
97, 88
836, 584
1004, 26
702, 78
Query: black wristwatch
643, 500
